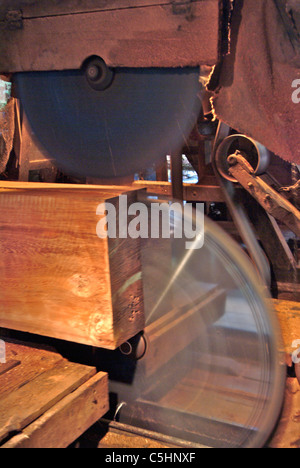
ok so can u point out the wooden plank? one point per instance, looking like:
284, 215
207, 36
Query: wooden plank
26, 404
33, 361
68, 419
145, 36
8, 366
58, 277
41, 8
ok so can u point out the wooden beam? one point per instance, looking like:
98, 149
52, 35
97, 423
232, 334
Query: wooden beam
58, 278
124, 34
204, 192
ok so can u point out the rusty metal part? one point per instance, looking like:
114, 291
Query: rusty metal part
274, 203
291, 188
135, 348
144, 436
238, 212
255, 153
13, 19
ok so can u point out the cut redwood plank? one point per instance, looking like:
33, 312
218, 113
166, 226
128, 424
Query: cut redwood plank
26, 404
68, 419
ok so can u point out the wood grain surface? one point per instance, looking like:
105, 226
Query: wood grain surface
124, 34
57, 277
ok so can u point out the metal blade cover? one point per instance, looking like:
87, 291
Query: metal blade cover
142, 116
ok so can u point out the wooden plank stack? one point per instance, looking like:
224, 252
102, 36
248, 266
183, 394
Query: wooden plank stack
45, 400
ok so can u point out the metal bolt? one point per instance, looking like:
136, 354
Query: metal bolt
268, 199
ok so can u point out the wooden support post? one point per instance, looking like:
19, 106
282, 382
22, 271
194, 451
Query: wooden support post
177, 181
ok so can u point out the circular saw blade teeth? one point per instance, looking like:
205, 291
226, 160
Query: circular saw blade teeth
212, 372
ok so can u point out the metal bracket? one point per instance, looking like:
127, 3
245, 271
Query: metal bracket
182, 7
14, 19
272, 202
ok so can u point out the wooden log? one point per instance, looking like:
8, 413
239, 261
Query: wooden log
148, 33
57, 277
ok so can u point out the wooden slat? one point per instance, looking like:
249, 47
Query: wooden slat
68, 419
32, 360
145, 36
26, 404
8, 366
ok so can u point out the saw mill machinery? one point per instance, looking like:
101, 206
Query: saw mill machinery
96, 93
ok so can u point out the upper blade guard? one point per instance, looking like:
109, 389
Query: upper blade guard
144, 115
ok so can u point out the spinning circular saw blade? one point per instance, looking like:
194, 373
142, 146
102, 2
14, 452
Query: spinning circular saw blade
132, 119
208, 369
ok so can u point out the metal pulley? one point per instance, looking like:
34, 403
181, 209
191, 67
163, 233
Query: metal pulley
256, 154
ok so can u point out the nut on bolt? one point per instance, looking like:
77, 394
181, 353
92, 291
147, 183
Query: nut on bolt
268, 199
